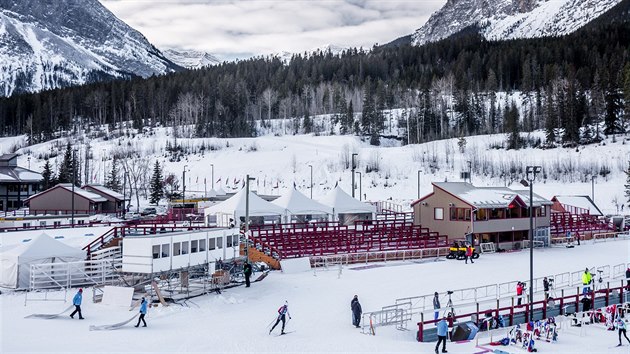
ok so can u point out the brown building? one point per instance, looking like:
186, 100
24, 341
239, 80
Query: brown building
114, 201
16, 183
490, 214
58, 200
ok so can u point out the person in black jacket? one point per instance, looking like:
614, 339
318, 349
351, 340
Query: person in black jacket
628, 278
355, 306
247, 271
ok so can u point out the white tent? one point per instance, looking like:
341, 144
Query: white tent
15, 261
234, 208
297, 203
345, 207
220, 191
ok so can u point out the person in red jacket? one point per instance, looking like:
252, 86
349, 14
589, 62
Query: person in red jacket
469, 254
519, 291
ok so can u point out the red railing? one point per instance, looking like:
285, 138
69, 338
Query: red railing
541, 306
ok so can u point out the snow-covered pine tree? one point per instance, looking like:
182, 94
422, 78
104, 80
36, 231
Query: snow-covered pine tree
113, 181
626, 192
157, 187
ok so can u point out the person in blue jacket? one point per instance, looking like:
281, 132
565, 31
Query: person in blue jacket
76, 301
143, 311
442, 332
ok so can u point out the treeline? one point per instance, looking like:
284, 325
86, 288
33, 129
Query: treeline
454, 87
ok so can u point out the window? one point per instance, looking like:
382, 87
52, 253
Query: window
460, 214
56, 223
211, 242
156, 251
202, 245
193, 246
219, 242
438, 213
185, 247
26, 225
81, 222
541, 211
177, 249
165, 250
228, 241
482, 214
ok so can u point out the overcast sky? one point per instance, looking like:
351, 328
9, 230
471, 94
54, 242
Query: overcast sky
242, 28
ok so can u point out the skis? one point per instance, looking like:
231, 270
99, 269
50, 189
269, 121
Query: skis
281, 334
112, 326
49, 316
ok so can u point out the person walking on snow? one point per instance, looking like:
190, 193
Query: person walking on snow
442, 332
469, 254
586, 281
143, 311
283, 311
621, 326
519, 292
247, 271
355, 306
436, 306
76, 301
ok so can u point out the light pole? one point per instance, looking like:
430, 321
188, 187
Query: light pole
311, 167
469, 171
247, 179
104, 173
124, 211
212, 175
353, 168
593, 187
74, 181
184, 192
360, 186
419, 184
531, 172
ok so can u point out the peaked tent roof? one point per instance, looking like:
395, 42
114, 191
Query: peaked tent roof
343, 203
236, 204
220, 191
297, 203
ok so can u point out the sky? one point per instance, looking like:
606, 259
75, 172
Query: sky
233, 29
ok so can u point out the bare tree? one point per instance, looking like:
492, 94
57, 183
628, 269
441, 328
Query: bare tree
137, 170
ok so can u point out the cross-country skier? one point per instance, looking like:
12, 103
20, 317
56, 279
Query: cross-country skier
283, 311
143, 311
355, 306
436, 306
442, 332
247, 271
469, 254
586, 281
621, 326
76, 301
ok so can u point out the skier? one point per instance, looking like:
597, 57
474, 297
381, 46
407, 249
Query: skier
76, 301
621, 326
283, 311
442, 332
586, 281
247, 270
436, 305
469, 253
519, 291
143, 311
355, 306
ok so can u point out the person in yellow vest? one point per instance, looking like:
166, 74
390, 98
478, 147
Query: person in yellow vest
586, 281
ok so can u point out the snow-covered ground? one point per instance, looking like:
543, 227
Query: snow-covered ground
237, 320
387, 172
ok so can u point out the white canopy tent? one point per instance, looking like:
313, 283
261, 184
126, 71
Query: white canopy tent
220, 191
301, 207
229, 212
16, 261
347, 209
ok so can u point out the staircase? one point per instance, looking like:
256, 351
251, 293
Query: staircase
258, 256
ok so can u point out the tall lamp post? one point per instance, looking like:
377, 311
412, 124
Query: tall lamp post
184, 192
212, 175
419, 184
311, 167
469, 171
247, 179
353, 168
593, 187
360, 186
74, 180
531, 172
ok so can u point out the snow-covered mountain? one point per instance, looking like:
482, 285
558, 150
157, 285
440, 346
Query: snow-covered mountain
191, 59
509, 19
50, 44
334, 49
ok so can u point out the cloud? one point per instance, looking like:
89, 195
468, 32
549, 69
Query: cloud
240, 28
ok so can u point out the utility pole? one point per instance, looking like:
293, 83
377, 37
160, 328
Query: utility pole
247, 216
212, 165
353, 168
184, 192
360, 186
311, 167
419, 184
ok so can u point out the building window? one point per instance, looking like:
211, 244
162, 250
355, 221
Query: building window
460, 214
542, 211
498, 213
26, 225
228, 241
81, 222
177, 249
165, 250
42, 223
193, 246
438, 213
185, 247
211, 242
156, 251
56, 223
219, 242
482, 214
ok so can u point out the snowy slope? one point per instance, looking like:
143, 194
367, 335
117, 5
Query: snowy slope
69, 42
237, 321
324, 49
509, 19
191, 59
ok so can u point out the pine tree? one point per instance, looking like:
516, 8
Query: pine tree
113, 182
627, 185
157, 188
47, 176
65, 170
511, 119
